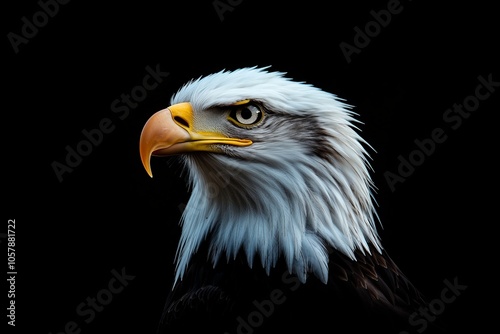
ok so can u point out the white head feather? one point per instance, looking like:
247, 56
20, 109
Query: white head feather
302, 185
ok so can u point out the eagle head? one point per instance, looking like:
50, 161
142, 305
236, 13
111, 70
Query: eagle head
276, 169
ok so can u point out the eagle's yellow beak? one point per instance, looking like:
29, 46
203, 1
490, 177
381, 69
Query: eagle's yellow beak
170, 131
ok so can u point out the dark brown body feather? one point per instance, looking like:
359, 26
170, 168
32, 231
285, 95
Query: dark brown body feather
370, 294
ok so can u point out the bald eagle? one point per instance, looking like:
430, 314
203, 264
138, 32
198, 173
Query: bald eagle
280, 229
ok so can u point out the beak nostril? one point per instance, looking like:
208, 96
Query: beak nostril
181, 121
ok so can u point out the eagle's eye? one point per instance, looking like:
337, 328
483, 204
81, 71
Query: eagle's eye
246, 116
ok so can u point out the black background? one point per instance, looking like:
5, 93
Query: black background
108, 214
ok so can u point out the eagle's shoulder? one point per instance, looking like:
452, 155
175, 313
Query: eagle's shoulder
377, 280
230, 297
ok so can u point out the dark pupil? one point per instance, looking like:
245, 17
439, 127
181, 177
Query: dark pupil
246, 113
